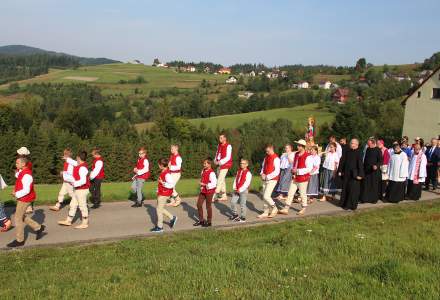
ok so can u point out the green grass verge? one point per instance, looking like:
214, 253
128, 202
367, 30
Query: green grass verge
391, 253
119, 191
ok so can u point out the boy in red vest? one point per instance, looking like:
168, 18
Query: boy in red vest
270, 173
24, 152
96, 177
175, 167
66, 174
223, 159
208, 183
81, 184
141, 174
241, 185
165, 188
302, 166
25, 195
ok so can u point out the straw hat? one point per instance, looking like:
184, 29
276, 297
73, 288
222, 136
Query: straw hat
23, 151
301, 142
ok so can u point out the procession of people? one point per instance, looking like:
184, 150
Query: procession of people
302, 174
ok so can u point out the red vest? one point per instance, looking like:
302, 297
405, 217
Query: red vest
173, 162
19, 186
65, 166
205, 180
269, 165
77, 177
240, 178
222, 149
140, 166
161, 190
300, 163
101, 173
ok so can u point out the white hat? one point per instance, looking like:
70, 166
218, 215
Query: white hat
301, 142
23, 151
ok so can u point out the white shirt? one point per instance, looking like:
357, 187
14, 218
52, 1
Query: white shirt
145, 169
82, 177
287, 160
26, 182
331, 161
169, 182
212, 184
178, 164
276, 171
98, 166
246, 183
338, 149
398, 167
227, 158
308, 168
67, 175
316, 162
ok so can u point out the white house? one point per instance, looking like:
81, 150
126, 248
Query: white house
252, 74
232, 80
326, 85
303, 85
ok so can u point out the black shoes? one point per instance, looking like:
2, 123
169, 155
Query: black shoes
40, 232
206, 224
173, 222
137, 205
233, 217
15, 244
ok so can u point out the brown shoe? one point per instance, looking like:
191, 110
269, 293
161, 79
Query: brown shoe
273, 213
301, 212
55, 208
284, 211
66, 222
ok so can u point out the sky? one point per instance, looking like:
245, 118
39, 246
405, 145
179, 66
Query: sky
274, 32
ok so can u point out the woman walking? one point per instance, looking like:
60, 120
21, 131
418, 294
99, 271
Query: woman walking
313, 186
286, 161
328, 186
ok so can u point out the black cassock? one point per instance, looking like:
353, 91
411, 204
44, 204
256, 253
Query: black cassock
370, 187
351, 167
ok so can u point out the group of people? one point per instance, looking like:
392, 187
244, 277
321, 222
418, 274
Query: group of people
377, 173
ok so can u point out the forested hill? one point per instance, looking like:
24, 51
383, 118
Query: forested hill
27, 50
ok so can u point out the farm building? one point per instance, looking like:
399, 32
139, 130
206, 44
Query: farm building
224, 71
303, 85
232, 80
341, 95
422, 109
326, 85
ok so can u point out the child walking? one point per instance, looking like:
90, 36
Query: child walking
66, 187
241, 187
208, 184
165, 186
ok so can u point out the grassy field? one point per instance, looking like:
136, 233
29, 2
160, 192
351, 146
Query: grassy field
391, 253
118, 191
297, 115
108, 76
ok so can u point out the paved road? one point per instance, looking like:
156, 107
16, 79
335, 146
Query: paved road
118, 220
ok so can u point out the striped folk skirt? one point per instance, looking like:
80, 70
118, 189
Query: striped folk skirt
313, 186
284, 182
328, 184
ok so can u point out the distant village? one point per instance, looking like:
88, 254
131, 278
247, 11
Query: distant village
339, 94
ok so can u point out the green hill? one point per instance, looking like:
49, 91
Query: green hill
297, 115
27, 50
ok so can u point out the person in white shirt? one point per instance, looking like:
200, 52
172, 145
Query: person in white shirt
332, 139
397, 171
417, 173
302, 166
241, 185
286, 161
175, 167
66, 187
223, 160
328, 186
313, 185
270, 174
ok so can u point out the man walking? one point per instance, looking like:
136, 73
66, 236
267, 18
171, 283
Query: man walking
302, 166
96, 177
223, 159
66, 187
25, 194
270, 173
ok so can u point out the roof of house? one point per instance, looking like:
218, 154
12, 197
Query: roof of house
415, 90
342, 91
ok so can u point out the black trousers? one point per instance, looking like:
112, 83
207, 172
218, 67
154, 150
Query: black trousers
432, 177
95, 190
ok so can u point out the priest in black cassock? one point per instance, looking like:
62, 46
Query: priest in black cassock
351, 172
370, 191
